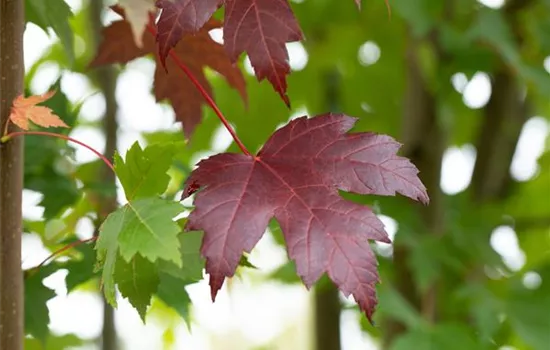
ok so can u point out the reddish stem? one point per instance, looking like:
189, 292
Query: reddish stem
59, 136
204, 94
65, 248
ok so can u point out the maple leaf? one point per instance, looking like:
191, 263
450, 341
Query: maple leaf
142, 227
37, 316
262, 28
195, 51
171, 291
181, 17
25, 109
137, 13
295, 178
143, 231
144, 172
259, 27
193, 263
137, 280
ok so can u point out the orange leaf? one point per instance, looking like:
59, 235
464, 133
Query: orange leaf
25, 109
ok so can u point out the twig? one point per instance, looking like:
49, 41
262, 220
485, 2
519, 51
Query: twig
204, 94
59, 136
65, 248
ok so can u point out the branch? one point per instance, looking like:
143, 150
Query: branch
65, 248
203, 92
59, 136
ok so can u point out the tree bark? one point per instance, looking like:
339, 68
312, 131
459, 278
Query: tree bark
106, 80
11, 178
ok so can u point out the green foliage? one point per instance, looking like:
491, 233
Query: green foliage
54, 14
171, 291
441, 336
37, 316
144, 226
137, 280
192, 262
144, 172
54, 342
80, 269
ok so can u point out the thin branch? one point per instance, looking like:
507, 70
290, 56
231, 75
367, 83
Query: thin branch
65, 248
59, 136
204, 94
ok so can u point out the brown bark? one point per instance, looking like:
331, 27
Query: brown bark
11, 178
106, 80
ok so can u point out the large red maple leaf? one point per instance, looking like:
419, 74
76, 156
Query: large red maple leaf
196, 51
295, 178
260, 27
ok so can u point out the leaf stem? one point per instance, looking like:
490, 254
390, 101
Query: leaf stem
65, 248
204, 94
59, 136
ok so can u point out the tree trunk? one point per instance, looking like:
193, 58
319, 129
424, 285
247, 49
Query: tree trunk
106, 80
11, 178
327, 302
424, 143
327, 318
504, 117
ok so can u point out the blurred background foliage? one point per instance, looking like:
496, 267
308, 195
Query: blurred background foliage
464, 84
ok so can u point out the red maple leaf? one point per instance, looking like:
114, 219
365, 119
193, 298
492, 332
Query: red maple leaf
180, 18
295, 178
195, 51
259, 27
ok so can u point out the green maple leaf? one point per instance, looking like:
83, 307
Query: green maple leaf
137, 280
37, 316
80, 270
53, 14
143, 173
54, 342
148, 229
171, 291
144, 226
192, 262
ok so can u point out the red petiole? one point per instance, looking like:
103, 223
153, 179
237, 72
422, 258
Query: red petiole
65, 248
204, 93
59, 136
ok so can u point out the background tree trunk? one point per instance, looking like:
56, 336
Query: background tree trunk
327, 300
11, 178
424, 143
106, 78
